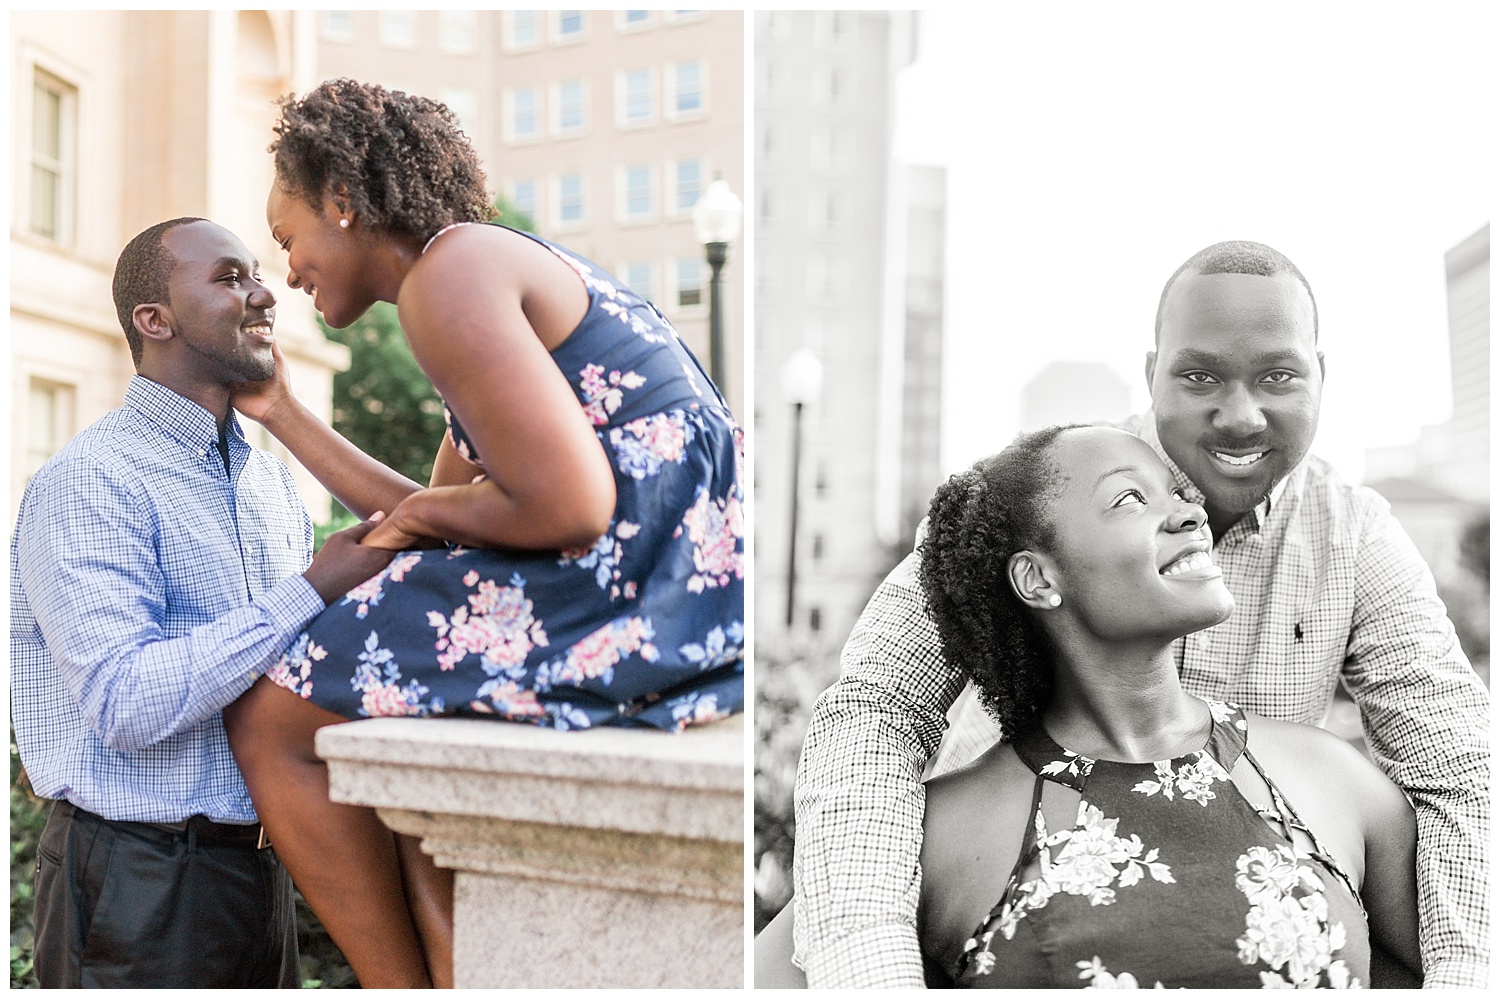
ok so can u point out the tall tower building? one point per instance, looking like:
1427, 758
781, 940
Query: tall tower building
922, 372
1074, 392
1468, 266
603, 127
827, 281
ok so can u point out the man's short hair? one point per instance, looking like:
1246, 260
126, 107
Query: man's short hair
1237, 256
141, 276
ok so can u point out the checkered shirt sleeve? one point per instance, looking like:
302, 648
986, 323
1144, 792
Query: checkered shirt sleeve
1426, 720
858, 797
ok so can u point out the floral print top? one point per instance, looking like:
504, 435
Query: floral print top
642, 627
1168, 878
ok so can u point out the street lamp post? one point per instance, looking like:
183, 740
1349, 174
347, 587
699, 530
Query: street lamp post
716, 220
801, 383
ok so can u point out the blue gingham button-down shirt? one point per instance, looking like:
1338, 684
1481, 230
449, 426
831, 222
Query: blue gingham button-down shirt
148, 590
1326, 584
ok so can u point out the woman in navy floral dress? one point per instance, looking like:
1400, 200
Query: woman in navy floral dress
578, 557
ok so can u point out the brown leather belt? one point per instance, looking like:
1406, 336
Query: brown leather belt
199, 828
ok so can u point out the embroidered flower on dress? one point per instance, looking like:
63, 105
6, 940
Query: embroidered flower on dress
716, 528
596, 655
498, 624
642, 446
1288, 926
1192, 780
368, 593
294, 668
602, 397
720, 647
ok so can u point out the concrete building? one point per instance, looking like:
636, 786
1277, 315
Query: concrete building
602, 126
1074, 392
827, 280
922, 372
121, 119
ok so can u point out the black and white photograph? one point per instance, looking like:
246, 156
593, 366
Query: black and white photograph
1121, 476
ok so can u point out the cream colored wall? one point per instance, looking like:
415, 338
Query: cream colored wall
174, 116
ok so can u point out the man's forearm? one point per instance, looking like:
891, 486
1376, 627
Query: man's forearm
858, 797
139, 689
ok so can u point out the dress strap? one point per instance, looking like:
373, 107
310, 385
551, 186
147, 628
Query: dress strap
451, 225
1031, 844
1283, 814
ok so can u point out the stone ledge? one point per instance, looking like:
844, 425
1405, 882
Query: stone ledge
604, 858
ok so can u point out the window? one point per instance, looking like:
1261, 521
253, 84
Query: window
639, 193
689, 99
571, 102
687, 185
815, 618
54, 123
571, 26
817, 548
689, 283
49, 420
571, 210
398, 29
640, 277
523, 203
337, 26
456, 31
632, 20
523, 30
834, 28
525, 114
680, 16
637, 100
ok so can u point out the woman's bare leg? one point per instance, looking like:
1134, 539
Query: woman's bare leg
341, 857
429, 898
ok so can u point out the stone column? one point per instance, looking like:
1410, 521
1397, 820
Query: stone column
606, 858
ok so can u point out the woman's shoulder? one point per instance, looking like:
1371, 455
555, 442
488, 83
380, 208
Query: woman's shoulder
972, 799
1317, 761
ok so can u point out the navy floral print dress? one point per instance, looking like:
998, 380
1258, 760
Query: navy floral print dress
644, 627
1168, 878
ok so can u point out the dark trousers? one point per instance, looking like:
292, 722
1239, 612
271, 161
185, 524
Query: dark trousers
133, 904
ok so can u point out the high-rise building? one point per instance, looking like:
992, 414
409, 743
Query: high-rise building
602, 127
121, 119
922, 373
1468, 271
828, 281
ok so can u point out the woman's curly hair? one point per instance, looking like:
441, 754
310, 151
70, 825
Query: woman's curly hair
402, 159
979, 519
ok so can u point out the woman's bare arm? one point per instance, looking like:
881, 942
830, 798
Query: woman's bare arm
356, 480
467, 308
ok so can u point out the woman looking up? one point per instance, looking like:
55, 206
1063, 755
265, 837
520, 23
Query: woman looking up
1124, 832
576, 559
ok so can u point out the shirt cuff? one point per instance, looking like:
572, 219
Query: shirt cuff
879, 957
1457, 975
290, 605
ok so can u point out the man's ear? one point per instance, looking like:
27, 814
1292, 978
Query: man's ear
153, 320
1032, 580
1322, 372
1150, 372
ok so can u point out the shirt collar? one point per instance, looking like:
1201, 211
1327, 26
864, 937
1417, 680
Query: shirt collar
179, 417
1147, 432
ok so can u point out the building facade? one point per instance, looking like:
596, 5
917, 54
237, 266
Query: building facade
600, 127
119, 120
827, 280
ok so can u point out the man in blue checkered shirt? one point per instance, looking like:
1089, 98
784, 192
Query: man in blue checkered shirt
1326, 585
159, 565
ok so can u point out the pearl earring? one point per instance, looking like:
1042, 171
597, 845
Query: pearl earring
343, 223
1055, 600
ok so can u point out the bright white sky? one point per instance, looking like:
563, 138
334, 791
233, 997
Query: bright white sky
1093, 147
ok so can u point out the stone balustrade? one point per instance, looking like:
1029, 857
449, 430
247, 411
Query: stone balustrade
606, 858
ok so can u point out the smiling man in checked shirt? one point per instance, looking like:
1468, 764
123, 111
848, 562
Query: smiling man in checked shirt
1326, 584
160, 564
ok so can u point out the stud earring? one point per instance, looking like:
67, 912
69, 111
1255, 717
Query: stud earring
1055, 600
343, 223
